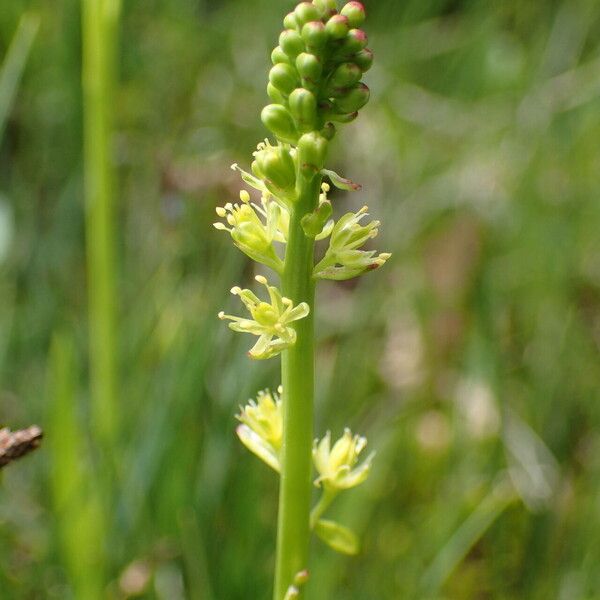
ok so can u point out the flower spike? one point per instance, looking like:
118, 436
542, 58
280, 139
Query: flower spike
336, 466
270, 321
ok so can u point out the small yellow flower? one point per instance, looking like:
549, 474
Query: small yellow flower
336, 466
343, 259
253, 237
270, 320
261, 427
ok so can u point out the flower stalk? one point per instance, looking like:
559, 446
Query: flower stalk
314, 83
298, 366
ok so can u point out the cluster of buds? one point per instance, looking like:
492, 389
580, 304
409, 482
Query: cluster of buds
317, 70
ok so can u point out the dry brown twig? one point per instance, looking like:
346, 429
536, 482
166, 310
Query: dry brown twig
15, 444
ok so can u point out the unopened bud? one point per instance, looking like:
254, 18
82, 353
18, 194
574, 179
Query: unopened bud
309, 66
275, 164
305, 12
343, 118
355, 12
313, 223
328, 132
353, 100
314, 34
346, 75
275, 94
291, 42
355, 41
279, 56
303, 106
312, 149
283, 77
301, 578
289, 21
278, 120
337, 27
364, 59
327, 7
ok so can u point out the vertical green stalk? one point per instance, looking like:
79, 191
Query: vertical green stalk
100, 21
297, 370
78, 512
315, 80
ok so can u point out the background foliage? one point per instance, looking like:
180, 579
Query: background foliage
471, 361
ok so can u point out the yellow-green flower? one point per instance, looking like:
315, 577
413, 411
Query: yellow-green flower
343, 259
270, 320
336, 466
261, 427
249, 233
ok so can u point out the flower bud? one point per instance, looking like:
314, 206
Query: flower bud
346, 75
278, 120
355, 12
289, 21
303, 106
275, 164
314, 34
283, 77
275, 94
309, 66
337, 27
355, 41
353, 100
312, 149
328, 132
314, 222
364, 59
327, 7
343, 118
279, 56
305, 12
291, 42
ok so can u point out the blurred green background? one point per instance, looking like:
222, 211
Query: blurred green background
471, 360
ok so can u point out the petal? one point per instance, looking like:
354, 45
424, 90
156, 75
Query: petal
259, 350
326, 231
321, 454
341, 453
356, 476
252, 181
258, 446
298, 312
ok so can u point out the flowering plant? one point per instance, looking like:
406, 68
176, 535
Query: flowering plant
314, 84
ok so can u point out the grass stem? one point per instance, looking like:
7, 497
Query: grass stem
100, 21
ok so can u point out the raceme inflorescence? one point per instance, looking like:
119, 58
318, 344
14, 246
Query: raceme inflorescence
314, 85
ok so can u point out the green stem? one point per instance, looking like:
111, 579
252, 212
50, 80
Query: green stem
100, 19
321, 506
297, 367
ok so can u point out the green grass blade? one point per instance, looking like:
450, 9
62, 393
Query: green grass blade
100, 20
465, 537
78, 512
14, 64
